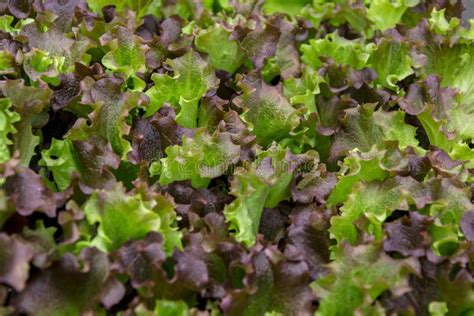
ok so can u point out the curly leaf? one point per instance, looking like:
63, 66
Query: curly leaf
191, 80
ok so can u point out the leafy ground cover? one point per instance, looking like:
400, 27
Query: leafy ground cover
236, 157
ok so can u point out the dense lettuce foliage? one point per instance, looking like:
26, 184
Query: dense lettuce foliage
236, 157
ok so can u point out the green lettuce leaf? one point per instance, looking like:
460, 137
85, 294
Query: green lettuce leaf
375, 201
126, 55
7, 63
123, 217
356, 167
267, 112
392, 62
6, 22
192, 78
109, 117
303, 90
353, 53
288, 7
224, 53
7, 120
264, 183
386, 14
363, 128
251, 192
394, 128
171, 308
199, 159
142, 7
59, 44
358, 276
59, 159
39, 65
31, 103
452, 63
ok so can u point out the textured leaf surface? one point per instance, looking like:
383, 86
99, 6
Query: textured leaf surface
236, 157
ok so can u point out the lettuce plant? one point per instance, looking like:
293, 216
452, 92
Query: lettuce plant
236, 157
